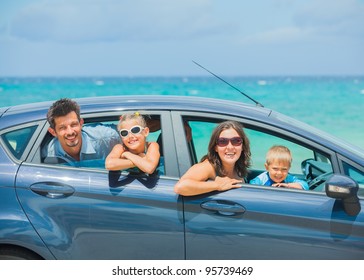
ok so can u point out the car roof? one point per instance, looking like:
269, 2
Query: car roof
168, 102
3, 110
37, 111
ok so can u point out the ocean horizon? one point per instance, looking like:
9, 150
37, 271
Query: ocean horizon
334, 104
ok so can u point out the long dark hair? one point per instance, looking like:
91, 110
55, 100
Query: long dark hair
243, 163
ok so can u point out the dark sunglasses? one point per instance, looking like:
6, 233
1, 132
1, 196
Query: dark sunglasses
134, 130
223, 142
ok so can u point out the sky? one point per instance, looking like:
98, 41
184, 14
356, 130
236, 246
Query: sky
163, 37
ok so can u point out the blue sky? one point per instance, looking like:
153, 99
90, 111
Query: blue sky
162, 37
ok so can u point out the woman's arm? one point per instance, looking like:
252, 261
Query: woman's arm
196, 180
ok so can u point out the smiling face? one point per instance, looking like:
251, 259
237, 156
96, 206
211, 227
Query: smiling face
278, 170
229, 154
68, 131
134, 142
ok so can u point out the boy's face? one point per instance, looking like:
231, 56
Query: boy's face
278, 170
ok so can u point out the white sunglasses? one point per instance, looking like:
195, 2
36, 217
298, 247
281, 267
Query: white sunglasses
137, 129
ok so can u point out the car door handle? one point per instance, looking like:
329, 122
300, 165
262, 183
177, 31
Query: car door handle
52, 190
223, 207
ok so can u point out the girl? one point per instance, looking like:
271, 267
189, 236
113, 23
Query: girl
134, 152
224, 166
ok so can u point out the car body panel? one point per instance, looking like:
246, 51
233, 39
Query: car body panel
15, 228
108, 216
296, 226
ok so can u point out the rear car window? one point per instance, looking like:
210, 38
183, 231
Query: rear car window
16, 140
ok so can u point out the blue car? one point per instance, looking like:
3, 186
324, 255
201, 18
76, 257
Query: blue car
56, 210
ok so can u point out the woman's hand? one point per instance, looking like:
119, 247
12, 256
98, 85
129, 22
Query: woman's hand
226, 183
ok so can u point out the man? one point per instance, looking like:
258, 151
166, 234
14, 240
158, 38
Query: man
74, 143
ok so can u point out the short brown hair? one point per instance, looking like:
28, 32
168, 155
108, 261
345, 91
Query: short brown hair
60, 108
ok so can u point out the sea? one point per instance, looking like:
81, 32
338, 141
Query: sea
334, 104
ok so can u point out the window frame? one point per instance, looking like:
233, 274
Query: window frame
31, 142
166, 124
269, 129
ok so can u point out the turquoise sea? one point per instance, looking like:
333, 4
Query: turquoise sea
332, 104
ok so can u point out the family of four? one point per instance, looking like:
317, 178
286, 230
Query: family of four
126, 148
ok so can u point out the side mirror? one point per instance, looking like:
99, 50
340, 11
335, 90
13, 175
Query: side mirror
346, 189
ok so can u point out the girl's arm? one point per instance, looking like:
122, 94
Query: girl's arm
115, 162
146, 162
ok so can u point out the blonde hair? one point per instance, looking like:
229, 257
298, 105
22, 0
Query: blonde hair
280, 153
136, 117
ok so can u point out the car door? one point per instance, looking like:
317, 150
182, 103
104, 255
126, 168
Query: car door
266, 223
259, 222
91, 213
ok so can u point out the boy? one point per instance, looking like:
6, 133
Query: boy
278, 163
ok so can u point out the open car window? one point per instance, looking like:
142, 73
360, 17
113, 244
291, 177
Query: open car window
102, 133
104, 125
308, 164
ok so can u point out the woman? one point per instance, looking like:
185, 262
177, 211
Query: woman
225, 165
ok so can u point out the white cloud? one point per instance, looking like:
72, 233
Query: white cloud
318, 21
340, 17
110, 20
282, 35
161, 37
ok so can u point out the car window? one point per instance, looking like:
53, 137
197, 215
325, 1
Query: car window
308, 164
261, 142
357, 175
99, 162
51, 153
16, 141
201, 136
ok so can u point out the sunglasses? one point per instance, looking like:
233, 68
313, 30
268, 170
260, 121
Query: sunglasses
134, 130
223, 142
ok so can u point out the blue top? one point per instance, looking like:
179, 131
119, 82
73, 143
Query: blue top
265, 180
97, 143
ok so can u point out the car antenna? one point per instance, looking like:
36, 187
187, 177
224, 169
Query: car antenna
256, 102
